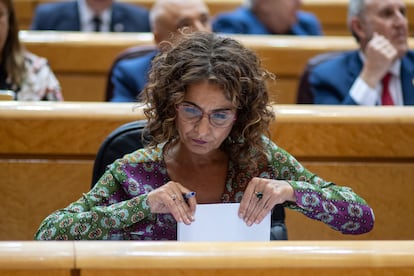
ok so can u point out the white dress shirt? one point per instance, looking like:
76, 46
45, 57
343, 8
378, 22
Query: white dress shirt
363, 94
86, 18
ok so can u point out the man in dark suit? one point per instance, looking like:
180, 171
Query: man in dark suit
91, 15
265, 17
356, 77
166, 17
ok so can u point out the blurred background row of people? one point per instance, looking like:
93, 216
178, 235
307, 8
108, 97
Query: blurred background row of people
379, 26
253, 17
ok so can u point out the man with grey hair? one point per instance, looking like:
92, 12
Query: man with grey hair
265, 17
381, 72
167, 17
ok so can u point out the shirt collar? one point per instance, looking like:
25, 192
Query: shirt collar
86, 14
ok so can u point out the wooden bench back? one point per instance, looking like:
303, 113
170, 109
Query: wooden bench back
81, 61
48, 149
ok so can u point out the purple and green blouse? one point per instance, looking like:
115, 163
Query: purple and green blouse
116, 207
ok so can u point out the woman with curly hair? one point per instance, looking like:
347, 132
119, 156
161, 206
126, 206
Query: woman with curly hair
208, 117
27, 75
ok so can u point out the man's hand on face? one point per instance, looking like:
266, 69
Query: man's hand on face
380, 55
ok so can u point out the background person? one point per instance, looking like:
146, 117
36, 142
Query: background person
166, 17
208, 113
267, 17
381, 29
91, 15
21, 71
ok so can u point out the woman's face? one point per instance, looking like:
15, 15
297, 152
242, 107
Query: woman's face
205, 135
4, 25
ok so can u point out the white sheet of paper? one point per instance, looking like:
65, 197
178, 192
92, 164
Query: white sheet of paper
220, 222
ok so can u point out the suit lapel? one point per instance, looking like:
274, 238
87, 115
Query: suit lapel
117, 23
407, 79
354, 67
74, 16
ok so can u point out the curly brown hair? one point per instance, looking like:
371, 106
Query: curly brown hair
199, 56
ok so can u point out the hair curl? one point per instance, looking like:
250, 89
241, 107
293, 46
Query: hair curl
200, 56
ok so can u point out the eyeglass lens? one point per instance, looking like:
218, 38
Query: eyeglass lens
218, 118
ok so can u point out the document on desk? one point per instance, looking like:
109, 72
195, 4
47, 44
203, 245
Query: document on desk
220, 222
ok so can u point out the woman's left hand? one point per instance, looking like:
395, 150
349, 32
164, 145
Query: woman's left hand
261, 195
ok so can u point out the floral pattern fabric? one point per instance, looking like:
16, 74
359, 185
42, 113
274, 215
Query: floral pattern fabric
116, 207
40, 83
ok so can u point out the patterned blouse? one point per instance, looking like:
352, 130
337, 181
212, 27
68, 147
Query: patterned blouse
40, 83
116, 207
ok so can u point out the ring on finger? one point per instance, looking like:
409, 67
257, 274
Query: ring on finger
259, 195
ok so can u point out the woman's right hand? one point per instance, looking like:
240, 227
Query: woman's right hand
169, 199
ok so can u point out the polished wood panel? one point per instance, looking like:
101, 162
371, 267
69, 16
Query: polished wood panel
73, 128
48, 149
46, 157
89, 258
370, 152
345, 133
265, 258
34, 188
33, 258
243, 255
382, 184
88, 57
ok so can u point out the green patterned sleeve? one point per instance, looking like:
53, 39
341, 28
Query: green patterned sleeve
97, 213
337, 206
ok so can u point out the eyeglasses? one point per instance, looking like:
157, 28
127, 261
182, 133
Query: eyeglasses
217, 118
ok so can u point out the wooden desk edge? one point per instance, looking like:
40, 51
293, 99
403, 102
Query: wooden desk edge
211, 255
288, 254
284, 112
36, 255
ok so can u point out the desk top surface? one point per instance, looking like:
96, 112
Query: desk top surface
312, 113
122, 254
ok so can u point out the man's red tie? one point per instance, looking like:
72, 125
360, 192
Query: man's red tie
386, 94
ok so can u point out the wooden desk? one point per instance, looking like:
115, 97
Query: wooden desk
368, 149
90, 258
33, 258
46, 157
48, 149
81, 61
256, 258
